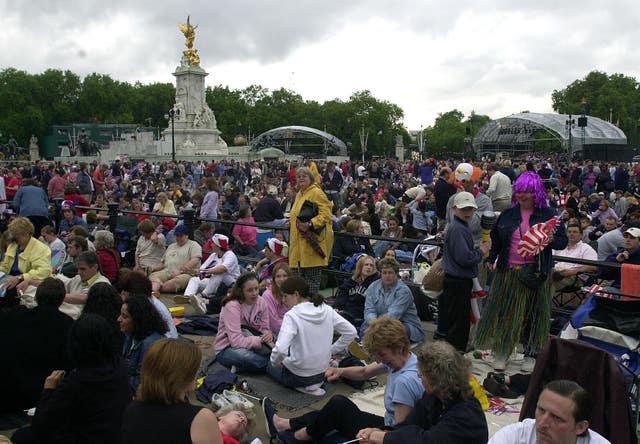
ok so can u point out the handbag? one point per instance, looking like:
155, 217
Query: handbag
308, 211
530, 275
247, 330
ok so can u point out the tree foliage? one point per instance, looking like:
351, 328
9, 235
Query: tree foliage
451, 134
29, 103
604, 96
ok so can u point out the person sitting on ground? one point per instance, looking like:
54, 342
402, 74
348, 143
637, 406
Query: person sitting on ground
274, 297
150, 247
610, 223
244, 340
562, 416
142, 326
86, 404
245, 235
69, 219
26, 262
180, 261
79, 230
48, 235
202, 235
104, 300
275, 252
135, 282
604, 211
390, 297
350, 298
628, 254
164, 205
77, 287
305, 344
161, 414
346, 246
387, 341
447, 413
269, 209
108, 257
33, 344
216, 275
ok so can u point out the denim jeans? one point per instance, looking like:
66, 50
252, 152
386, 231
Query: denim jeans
288, 379
243, 358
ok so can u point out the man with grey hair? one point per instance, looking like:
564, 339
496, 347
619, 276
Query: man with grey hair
78, 286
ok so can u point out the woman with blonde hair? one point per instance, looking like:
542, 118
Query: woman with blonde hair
447, 412
387, 342
161, 412
311, 234
350, 298
164, 205
274, 297
26, 260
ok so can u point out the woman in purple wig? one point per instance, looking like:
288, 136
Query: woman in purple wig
514, 312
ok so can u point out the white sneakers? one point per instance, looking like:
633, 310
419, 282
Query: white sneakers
315, 390
229, 397
198, 303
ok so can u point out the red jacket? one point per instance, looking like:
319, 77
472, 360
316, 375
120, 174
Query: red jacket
110, 263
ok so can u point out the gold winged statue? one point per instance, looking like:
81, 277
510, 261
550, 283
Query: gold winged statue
189, 32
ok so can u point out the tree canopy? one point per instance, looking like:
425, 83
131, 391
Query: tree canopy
615, 97
451, 134
29, 103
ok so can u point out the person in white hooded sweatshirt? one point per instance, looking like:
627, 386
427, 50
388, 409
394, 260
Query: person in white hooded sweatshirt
305, 343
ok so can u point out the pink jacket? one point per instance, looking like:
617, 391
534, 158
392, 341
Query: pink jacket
233, 315
276, 310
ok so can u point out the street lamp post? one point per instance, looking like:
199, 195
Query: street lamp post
363, 141
173, 113
569, 124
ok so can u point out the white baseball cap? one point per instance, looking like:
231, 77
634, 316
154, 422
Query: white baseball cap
464, 199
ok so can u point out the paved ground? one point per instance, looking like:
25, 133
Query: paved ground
206, 345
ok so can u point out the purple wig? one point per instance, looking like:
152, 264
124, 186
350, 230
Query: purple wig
531, 182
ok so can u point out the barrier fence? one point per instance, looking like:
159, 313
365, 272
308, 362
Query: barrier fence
189, 219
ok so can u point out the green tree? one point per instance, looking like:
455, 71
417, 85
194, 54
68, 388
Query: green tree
604, 96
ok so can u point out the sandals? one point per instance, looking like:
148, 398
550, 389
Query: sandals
494, 384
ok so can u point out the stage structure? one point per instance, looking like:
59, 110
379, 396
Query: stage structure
579, 136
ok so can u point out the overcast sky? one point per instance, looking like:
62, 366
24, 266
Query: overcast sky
496, 57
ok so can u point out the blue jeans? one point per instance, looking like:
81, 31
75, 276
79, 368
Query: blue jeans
288, 379
243, 358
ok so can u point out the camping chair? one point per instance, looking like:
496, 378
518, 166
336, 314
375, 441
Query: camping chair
566, 300
598, 372
57, 260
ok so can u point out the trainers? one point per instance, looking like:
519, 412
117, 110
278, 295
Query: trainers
237, 398
218, 401
198, 304
315, 390
528, 364
179, 299
356, 350
499, 363
269, 412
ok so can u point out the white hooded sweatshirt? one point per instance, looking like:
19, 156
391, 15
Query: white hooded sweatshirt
304, 344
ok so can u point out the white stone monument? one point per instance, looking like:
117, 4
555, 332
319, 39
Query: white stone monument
34, 150
195, 129
399, 148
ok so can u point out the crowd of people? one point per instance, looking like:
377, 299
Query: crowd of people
263, 281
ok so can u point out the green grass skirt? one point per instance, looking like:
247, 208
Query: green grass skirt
509, 306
